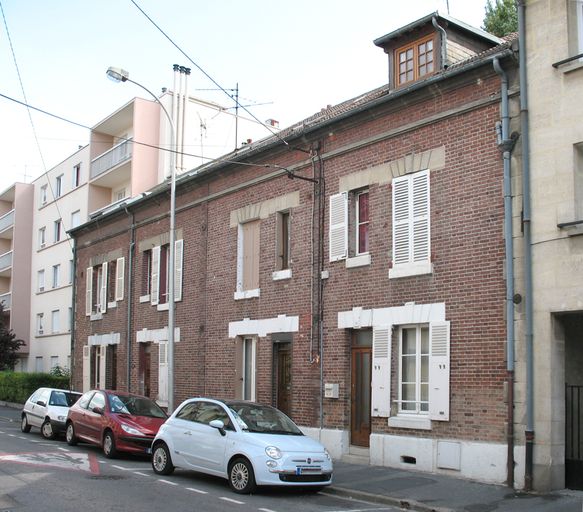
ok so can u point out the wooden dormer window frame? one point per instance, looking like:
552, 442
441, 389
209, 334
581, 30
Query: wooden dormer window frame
415, 60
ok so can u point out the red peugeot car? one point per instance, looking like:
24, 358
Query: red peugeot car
114, 420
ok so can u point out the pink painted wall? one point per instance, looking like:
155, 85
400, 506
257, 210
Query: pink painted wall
146, 125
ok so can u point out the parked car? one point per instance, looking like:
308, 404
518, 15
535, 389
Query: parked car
114, 420
47, 409
247, 443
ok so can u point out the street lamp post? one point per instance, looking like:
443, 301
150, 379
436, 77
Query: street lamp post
121, 75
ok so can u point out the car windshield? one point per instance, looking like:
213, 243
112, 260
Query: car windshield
135, 405
264, 419
63, 399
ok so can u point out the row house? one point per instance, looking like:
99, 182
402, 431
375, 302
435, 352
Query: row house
348, 270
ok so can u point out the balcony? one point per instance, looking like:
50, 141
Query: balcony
113, 157
7, 224
6, 264
6, 301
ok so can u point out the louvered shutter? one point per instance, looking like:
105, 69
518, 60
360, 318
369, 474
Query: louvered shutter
119, 278
102, 366
439, 371
338, 226
103, 291
178, 258
88, 291
401, 221
420, 214
163, 372
155, 276
381, 371
86, 368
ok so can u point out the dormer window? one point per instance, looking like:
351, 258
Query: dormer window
415, 60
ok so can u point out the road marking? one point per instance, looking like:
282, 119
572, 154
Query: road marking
23, 438
78, 461
266, 510
63, 449
231, 500
35, 442
167, 482
140, 473
121, 468
196, 490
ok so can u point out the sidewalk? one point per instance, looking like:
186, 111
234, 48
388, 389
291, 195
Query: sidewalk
423, 492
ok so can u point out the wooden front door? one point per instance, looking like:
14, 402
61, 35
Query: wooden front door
283, 384
144, 368
360, 388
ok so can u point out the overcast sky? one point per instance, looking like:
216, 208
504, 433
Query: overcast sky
292, 57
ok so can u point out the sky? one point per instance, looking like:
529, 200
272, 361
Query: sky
289, 60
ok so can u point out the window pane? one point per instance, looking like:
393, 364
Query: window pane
409, 341
363, 238
408, 397
425, 340
424, 368
363, 207
409, 364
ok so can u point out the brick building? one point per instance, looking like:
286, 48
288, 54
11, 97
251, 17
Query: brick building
349, 270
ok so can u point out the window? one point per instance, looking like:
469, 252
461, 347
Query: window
59, 186
245, 368
38, 365
39, 324
248, 260
362, 222
282, 241
414, 370
56, 275
54, 361
146, 273
70, 319
42, 237
57, 231
55, 322
411, 225
96, 289
118, 195
158, 267
40, 280
43, 195
75, 218
414, 61
76, 176
71, 271
115, 286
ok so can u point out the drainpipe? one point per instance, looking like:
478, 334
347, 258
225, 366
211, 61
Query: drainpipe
130, 300
526, 225
443, 42
72, 326
506, 144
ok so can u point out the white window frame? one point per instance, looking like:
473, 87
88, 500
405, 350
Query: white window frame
38, 364
418, 365
40, 280
55, 321
59, 185
75, 218
42, 237
54, 361
57, 230
76, 176
252, 364
240, 292
338, 235
39, 324
357, 222
43, 195
56, 275
579, 7
411, 222
71, 271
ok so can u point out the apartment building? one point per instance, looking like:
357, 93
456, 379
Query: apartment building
356, 280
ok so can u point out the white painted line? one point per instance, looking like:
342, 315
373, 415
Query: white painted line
35, 442
23, 438
230, 500
140, 473
196, 490
11, 435
167, 482
118, 467
63, 449
102, 462
266, 510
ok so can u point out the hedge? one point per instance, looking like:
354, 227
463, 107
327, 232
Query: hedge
17, 387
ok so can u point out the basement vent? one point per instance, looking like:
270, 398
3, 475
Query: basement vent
407, 459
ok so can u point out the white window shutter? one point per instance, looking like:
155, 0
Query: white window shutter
178, 258
439, 371
86, 368
88, 291
155, 276
338, 226
103, 291
163, 372
102, 365
381, 371
401, 221
119, 278
421, 239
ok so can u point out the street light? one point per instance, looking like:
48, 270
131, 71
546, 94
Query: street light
121, 75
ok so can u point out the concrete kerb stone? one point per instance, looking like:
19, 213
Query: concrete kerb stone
405, 504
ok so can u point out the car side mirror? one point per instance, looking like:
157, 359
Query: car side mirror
98, 410
219, 425
41, 403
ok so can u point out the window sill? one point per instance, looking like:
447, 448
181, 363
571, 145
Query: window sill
247, 294
144, 298
111, 305
411, 269
162, 307
279, 275
572, 66
96, 316
413, 422
358, 261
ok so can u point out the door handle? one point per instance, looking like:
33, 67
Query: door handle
188, 433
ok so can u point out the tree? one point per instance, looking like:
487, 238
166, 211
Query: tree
501, 18
9, 345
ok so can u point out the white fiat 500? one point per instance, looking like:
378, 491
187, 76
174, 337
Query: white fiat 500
247, 443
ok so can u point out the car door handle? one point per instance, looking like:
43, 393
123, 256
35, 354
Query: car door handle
188, 433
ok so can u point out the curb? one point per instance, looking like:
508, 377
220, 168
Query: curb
402, 503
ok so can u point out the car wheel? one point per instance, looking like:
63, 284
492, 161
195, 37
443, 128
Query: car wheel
24, 426
70, 435
109, 449
161, 461
46, 430
241, 477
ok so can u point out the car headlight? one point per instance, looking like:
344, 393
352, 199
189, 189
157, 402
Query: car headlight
327, 454
131, 430
273, 451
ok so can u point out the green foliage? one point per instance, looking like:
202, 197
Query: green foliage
501, 18
17, 387
60, 371
9, 345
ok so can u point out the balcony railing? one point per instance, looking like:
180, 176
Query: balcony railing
5, 261
7, 221
112, 157
6, 301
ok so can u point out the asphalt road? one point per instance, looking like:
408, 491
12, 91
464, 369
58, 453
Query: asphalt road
38, 475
